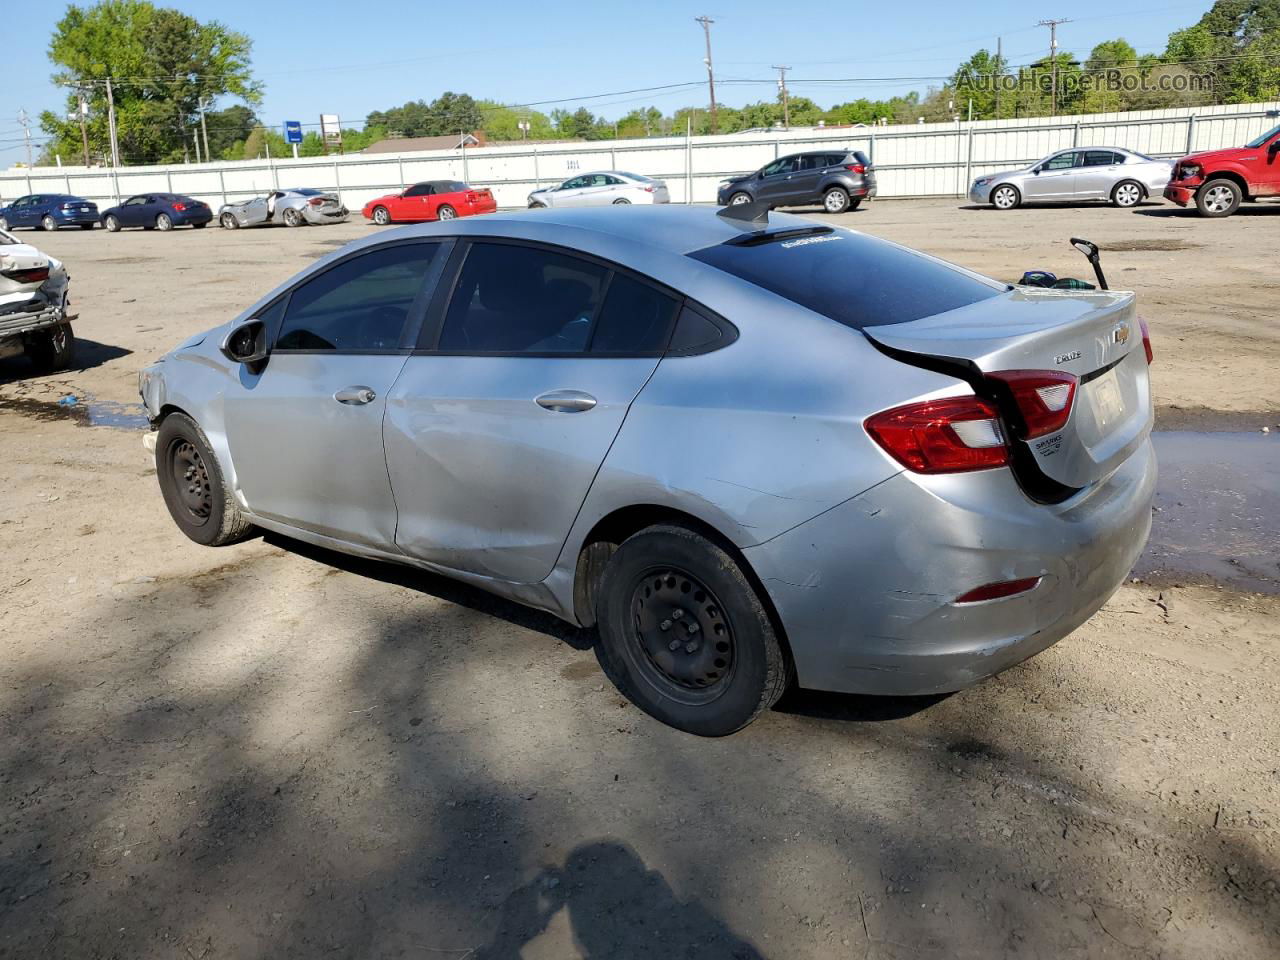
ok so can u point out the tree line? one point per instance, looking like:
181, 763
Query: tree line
167, 70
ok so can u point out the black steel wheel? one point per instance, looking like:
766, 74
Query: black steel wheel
684, 635
191, 481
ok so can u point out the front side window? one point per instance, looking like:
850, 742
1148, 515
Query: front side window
517, 299
783, 165
419, 190
361, 304
1062, 161
574, 184
135, 201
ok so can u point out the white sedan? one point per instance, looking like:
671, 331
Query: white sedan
601, 189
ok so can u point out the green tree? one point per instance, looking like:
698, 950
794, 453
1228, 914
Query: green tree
977, 79
162, 63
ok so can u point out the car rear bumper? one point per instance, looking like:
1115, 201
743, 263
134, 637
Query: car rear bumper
866, 590
190, 217
1181, 195
319, 217
76, 219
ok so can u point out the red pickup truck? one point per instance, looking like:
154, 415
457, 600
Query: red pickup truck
1217, 182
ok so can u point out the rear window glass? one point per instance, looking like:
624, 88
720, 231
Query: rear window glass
853, 279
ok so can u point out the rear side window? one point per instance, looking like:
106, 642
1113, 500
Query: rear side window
853, 279
359, 305
1101, 158
635, 318
516, 299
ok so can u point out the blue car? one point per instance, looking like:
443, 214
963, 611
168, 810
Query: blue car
49, 211
157, 211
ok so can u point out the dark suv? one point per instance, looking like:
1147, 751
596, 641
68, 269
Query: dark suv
839, 180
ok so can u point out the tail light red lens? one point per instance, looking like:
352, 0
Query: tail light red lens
856, 167
1146, 340
472, 196
941, 436
179, 207
648, 189
1044, 398
316, 202
31, 275
998, 590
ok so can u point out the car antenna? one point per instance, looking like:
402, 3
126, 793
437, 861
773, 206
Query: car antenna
753, 212
1090, 250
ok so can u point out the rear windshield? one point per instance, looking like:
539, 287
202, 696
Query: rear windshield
853, 279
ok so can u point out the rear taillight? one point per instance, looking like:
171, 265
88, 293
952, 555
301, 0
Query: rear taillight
472, 196
998, 590
856, 167
29, 275
316, 202
941, 436
68, 206
179, 207
1146, 340
648, 189
1044, 398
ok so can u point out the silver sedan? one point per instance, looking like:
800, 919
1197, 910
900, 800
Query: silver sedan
1113, 174
293, 208
647, 424
602, 189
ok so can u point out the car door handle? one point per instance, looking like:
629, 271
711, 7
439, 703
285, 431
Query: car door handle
355, 396
565, 401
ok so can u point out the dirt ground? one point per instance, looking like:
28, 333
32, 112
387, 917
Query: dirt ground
273, 751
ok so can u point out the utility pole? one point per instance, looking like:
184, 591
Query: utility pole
204, 129
111, 126
26, 133
711, 77
999, 77
84, 131
786, 105
1053, 60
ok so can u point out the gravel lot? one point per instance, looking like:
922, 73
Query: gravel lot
273, 751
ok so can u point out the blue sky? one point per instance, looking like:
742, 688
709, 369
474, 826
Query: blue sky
381, 53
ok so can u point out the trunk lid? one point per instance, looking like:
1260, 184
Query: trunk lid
1094, 335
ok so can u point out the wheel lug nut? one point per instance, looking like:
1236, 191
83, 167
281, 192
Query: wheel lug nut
673, 646
692, 626
665, 625
677, 613
691, 646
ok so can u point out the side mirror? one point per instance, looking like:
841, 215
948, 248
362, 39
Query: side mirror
246, 343
1037, 170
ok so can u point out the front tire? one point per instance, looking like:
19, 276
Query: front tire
4, 223
229, 221
163, 221
192, 485
537, 206
381, 216
738, 198
52, 349
1127, 193
112, 224
446, 212
1005, 197
292, 218
835, 200
622, 202
1219, 198
684, 635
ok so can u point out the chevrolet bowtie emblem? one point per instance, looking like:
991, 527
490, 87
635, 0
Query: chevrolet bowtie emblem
1121, 333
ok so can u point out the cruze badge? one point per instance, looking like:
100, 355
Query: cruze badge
1066, 357
1121, 333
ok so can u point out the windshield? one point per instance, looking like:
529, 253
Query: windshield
1253, 144
854, 279
634, 176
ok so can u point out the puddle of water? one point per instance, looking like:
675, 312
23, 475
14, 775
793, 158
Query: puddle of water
85, 412
1219, 509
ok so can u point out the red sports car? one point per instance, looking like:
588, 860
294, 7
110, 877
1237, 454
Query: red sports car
430, 200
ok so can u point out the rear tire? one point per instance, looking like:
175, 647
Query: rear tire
854, 204
1127, 193
835, 200
111, 223
446, 212
163, 222
51, 350
1006, 197
684, 635
292, 218
192, 485
381, 216
1219, 198
622, 202
48, 224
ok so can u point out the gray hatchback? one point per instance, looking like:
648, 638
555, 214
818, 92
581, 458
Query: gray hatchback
838, 179
749, 452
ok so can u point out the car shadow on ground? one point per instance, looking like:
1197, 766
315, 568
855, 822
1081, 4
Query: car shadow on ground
89, 354
1258, 210
1033, 205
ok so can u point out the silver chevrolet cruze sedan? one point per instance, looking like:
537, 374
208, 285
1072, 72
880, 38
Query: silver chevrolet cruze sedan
751, 452
1112, 174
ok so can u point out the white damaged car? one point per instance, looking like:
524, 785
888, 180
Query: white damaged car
35, 316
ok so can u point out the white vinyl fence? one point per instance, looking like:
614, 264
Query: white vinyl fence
923, 160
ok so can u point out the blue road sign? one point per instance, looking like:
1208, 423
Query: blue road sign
293, 131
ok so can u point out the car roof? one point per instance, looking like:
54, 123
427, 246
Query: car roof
673, 228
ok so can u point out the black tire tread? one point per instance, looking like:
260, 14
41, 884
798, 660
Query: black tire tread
235, 526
